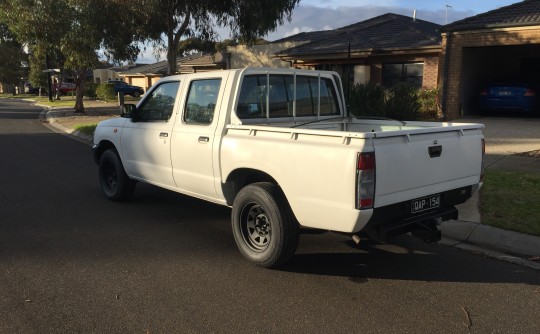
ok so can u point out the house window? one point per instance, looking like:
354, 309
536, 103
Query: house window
394, 74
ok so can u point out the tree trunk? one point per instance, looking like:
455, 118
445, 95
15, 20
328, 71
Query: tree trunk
171, 55
173, 40
79, 82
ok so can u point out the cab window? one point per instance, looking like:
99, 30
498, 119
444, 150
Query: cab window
277, 96
201, 101
159, 104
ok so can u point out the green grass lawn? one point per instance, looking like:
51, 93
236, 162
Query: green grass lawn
87, 129
65, 101
18, 96
511, 200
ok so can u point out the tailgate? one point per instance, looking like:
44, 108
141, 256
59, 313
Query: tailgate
413, 164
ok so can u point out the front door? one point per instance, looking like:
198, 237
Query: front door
146, 139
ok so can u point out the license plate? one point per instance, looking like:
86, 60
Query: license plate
425, 203
505, 93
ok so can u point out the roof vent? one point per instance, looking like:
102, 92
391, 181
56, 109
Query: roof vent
414, 15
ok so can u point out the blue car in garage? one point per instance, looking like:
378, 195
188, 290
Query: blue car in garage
509, 96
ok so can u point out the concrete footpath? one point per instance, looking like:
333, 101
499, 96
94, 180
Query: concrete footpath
505, 137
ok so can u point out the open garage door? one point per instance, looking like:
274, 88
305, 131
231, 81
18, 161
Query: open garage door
482, 65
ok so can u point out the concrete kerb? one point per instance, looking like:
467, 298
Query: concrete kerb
50, 115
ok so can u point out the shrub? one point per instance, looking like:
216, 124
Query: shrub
402, 102
367, 100
430, 108
105, 92
90, 90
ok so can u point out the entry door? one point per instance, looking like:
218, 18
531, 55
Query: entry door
146, 139
194, 148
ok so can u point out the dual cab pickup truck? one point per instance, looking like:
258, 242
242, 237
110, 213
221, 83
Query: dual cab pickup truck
277, 146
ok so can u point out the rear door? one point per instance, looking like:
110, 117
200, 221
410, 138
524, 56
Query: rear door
195, 147
425, 162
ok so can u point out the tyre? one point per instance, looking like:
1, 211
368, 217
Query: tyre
263, 225
136, 94
115, 183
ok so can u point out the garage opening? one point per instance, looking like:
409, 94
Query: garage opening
482, 65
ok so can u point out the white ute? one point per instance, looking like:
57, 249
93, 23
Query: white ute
277, 146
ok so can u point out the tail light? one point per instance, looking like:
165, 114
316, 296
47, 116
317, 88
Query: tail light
365, 180
529, 92
484, 92
483, 155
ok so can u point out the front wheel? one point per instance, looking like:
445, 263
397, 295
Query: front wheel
115, 183
264, 227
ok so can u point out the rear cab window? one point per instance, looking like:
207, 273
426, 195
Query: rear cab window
286, 96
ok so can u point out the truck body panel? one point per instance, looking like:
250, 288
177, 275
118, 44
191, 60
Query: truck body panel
217, 128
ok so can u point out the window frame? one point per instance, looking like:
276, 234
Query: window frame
403, 78
149, 95
185, 109
319, 78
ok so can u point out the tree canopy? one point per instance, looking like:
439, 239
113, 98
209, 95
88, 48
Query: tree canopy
11, 57
184, 19
74, 31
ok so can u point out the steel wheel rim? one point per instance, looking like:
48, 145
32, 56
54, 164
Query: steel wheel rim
255, 226
110, 176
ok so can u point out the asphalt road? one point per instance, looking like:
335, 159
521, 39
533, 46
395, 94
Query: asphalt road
71, 261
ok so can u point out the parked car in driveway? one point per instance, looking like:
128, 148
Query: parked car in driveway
123, 87
66, 87
511, 95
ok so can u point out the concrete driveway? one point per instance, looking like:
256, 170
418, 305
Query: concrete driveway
506, 136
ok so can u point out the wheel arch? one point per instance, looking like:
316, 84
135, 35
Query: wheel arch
241, 177
103, 146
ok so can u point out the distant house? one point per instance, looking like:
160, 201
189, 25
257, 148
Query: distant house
386, 49
501, 43
145, 76
111, 73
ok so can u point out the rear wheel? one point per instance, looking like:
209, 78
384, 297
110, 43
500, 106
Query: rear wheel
263, 225
115, 183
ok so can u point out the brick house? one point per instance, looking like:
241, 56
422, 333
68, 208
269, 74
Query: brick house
145, 76
482, 48
386, 49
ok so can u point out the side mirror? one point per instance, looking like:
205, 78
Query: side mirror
129, 111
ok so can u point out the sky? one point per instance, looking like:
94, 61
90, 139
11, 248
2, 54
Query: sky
314, 15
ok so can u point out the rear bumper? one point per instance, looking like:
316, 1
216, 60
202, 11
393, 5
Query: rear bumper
528, 104
396, 219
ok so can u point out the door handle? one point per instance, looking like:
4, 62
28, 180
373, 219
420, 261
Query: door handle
204, 139
435, 151
163, 135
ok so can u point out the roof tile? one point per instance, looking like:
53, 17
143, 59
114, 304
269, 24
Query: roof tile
388, 31
526, 12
